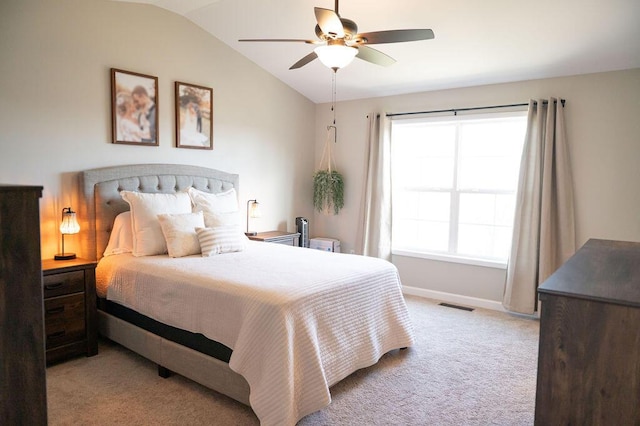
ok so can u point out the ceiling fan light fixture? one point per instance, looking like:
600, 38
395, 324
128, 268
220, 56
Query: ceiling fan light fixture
336, 56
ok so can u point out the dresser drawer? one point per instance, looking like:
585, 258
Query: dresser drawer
63, 283
64, 320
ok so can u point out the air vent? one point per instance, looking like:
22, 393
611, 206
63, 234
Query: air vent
449, 305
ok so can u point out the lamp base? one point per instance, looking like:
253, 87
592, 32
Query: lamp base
64, 256
251, 234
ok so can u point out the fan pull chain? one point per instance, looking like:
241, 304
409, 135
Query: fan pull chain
333, 106
333, 96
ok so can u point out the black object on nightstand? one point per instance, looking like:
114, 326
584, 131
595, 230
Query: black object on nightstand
70, 314
278, 237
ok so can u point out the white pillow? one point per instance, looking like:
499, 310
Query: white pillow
180, 232
213, 220
148, 239
223, 239
222, 202
121, 238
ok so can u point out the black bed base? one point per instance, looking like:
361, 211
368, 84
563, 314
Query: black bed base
195, 341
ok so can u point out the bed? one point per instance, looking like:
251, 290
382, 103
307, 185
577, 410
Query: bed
269, 325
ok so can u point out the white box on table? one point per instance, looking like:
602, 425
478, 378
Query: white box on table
325, 244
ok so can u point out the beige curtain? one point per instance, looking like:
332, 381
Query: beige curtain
374, 230
544, 226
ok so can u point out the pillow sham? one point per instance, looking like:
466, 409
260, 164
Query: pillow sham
121, 237
148, 239
222, 202
223, 239
180, 232
214, 220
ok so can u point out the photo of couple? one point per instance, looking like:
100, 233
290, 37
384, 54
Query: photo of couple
135, 108
193, 116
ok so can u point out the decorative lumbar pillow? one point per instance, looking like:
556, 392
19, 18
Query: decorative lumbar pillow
121, 238
148, 239
180, 233
223, 239
222, 202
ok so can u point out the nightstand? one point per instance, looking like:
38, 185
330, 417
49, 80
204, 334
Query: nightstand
278, 237
70, 315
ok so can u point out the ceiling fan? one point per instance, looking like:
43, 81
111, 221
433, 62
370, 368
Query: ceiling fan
339, 41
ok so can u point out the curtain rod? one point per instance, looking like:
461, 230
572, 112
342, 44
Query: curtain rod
456, 110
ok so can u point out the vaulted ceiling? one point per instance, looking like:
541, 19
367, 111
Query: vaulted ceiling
476, 42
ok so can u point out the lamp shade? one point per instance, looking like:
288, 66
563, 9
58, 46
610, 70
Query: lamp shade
336, 56
254, 209
69, 224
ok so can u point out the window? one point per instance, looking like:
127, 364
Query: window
454, 186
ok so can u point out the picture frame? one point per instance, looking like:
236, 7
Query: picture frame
194, 116
134, 108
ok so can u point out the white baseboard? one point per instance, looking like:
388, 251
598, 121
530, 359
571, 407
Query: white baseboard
454, 298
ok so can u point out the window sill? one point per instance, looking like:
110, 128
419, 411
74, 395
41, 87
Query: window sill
453, 259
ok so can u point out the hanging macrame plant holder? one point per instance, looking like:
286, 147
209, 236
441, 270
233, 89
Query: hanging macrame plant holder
328, 185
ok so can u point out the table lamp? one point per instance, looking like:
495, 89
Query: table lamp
69, 225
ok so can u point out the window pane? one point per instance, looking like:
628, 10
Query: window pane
490, 154
423, 156
484, 241
433, 236
435, 206
417, 235
421, 220
464, 168
488, 173
487, 209
431, 206
423, 173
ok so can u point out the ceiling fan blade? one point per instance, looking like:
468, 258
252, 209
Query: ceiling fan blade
283, 39
304, 61
393, 36
329, 22
374, 56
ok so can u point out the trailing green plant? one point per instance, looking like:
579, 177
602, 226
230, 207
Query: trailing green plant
328, 191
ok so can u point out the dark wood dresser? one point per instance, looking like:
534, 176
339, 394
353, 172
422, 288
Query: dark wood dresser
23, 392
589, 352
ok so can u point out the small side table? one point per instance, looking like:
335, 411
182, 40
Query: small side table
278, 237
70, 314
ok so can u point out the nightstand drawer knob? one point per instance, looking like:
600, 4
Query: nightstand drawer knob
54, 285
56, 310
56, 335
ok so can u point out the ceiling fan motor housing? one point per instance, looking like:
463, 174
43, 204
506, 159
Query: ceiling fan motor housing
350, 30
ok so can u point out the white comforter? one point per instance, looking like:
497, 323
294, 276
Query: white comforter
298, 320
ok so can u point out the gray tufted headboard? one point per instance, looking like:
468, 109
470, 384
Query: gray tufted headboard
100, 200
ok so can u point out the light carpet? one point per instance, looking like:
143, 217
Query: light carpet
466, 368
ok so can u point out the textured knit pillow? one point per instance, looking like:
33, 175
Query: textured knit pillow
180, 233
148, 239
223, 239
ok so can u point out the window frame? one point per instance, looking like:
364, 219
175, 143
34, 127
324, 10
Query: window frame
455, 192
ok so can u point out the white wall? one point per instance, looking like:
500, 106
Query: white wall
603, 126
55, 60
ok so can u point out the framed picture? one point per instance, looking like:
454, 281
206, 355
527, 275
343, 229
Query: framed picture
194, 116
134, 108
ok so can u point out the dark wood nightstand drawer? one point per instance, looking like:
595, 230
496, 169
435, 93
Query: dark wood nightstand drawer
64, 319
70, 316
63, 283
